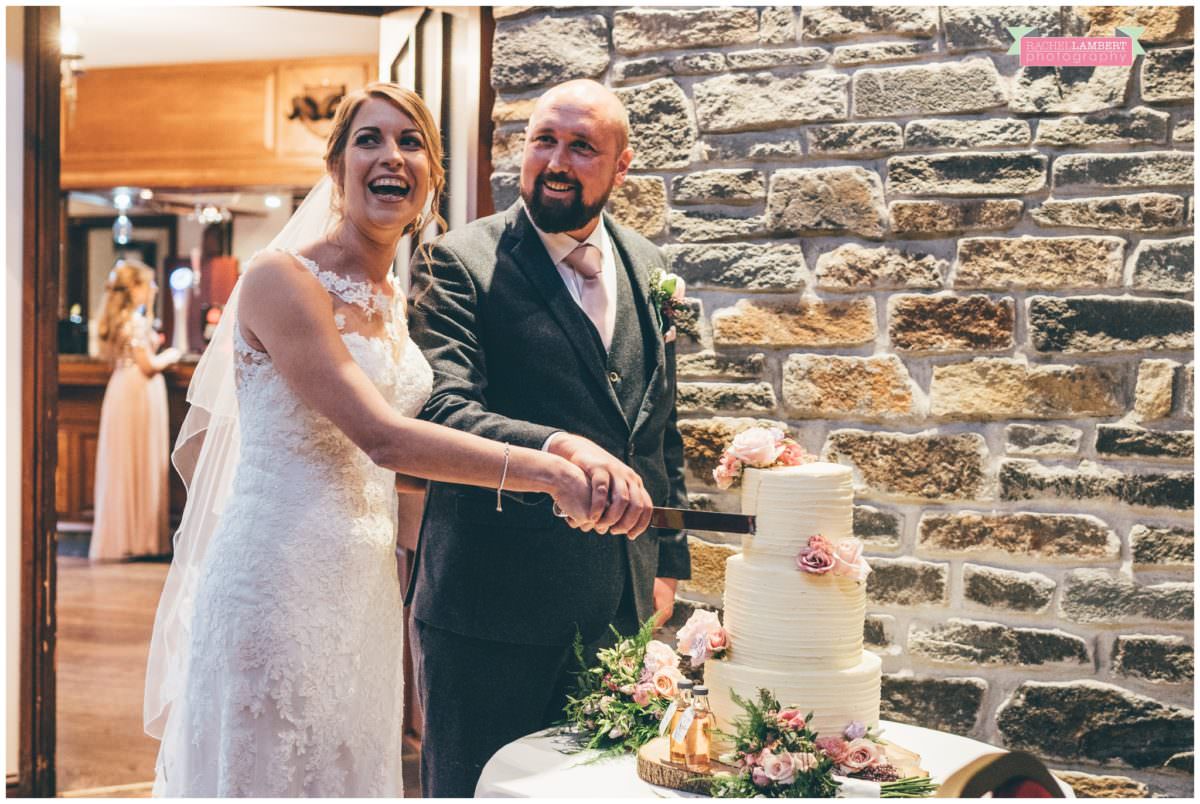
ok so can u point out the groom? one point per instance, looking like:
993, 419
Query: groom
538, 324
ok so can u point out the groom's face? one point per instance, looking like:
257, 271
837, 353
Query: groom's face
575, 154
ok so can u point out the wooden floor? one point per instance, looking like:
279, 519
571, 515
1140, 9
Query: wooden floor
105, 617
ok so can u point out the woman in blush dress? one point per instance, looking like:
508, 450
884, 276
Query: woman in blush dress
131, 456
276, 665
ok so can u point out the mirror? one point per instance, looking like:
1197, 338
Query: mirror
213, 234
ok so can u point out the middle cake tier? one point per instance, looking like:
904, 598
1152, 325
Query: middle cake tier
779, 618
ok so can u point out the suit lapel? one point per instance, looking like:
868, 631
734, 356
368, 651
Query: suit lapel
531, 258
639, 281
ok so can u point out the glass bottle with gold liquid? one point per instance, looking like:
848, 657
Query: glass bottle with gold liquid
699, 736
676, 734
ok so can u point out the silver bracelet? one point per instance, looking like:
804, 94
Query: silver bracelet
503, 477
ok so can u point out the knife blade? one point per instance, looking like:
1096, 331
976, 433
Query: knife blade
686, 518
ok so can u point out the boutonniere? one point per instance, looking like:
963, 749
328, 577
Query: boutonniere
666, 297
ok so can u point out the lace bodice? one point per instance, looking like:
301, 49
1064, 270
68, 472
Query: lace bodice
295, 681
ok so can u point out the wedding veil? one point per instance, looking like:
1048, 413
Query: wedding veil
206, 455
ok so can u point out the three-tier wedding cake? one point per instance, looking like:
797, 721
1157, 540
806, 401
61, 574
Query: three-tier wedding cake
794, 626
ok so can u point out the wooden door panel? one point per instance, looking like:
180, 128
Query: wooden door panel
62, 475
89, 443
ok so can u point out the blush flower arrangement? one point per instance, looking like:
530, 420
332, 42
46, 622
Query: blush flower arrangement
618, 703
845, 559
702, 638
666, 297
775, 755
762, 448
778, 755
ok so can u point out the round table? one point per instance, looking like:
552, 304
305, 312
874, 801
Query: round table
538, 766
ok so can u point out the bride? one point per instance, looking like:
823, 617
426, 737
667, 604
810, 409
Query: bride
275, 665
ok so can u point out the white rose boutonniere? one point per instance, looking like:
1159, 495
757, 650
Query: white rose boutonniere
666, 297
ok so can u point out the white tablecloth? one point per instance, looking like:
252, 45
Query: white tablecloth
538, 767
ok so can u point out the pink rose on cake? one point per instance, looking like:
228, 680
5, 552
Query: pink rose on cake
817, 557
728, 470
702, 637
848, 560
793, 454
760, 447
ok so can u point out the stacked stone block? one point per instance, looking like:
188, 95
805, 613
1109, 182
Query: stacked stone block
969, 280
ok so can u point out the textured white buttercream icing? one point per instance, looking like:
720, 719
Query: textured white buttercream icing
795, 633
835, 697
791, 504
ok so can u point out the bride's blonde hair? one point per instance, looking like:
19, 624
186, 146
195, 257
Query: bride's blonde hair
409, 103
126, 277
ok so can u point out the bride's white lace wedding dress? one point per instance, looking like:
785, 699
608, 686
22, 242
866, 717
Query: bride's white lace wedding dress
295, 681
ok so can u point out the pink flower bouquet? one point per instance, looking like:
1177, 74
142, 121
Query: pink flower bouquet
778, 755
621, 696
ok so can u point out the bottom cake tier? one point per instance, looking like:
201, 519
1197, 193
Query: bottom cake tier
835, 697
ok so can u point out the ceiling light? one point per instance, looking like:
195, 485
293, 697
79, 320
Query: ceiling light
122, 230
209, 214
146, 194
273, 202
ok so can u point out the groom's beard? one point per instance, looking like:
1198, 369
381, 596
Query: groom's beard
553, 215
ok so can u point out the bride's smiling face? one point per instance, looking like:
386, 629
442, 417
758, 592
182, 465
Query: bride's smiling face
385, 172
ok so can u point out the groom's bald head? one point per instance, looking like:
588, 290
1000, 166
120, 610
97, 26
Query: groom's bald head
576, 152
590, 100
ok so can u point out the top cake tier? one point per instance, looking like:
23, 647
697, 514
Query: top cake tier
792, 503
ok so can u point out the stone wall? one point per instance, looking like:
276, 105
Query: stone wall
970, 281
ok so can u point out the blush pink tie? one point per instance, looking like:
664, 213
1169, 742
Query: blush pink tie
587, 263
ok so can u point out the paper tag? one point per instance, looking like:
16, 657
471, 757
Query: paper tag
665, 723
685, 722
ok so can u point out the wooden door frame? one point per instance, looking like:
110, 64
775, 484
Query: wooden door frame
39, 402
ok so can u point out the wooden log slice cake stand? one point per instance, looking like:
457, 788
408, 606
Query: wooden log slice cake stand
653, 767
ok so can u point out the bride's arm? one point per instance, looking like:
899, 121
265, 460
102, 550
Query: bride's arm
285, 309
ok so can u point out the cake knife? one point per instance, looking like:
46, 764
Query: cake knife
686, 518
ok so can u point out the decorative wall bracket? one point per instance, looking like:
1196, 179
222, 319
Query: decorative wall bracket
316, 106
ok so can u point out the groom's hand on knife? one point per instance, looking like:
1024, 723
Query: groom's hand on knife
620, 503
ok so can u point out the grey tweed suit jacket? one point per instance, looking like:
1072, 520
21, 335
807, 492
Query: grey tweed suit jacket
515, 359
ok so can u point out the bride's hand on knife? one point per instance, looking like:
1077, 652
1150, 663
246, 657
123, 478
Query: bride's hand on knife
573, 495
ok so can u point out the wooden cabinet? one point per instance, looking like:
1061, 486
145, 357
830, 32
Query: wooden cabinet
81, 384
221, 124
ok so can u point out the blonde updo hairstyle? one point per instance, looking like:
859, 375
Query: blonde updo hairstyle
409, 103
124, 279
